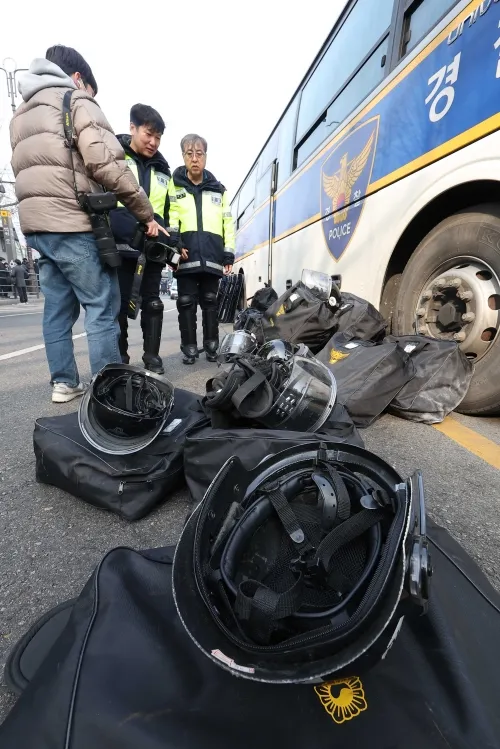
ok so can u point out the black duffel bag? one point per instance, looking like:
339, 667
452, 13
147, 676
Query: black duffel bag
369, 375
128, 485
207, 449
300, 316
359, 319
117, 670
442, 377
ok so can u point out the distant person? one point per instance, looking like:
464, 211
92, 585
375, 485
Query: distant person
5, 283
152, 173
199, 207
20, 274
52, 219
37, 270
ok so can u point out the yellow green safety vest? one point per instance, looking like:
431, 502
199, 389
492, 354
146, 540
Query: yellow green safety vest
158, 188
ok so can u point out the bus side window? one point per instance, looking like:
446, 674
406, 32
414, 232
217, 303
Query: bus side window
365, 27
365, 80
246, 199
286, 142
420, 17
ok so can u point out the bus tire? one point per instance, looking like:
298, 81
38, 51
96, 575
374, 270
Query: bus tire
455, 272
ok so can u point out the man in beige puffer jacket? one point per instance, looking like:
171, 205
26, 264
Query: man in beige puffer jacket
71, 273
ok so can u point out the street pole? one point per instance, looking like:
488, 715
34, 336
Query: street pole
10, 75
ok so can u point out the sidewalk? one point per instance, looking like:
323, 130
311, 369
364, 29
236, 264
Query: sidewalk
32, 298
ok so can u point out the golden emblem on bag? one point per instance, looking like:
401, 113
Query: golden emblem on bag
343, 699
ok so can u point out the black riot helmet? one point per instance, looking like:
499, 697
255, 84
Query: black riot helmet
303, 567
125, 408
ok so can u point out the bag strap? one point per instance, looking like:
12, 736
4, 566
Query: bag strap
69, 139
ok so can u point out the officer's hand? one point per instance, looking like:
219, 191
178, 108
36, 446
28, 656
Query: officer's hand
153, 227
184, 253
227, 269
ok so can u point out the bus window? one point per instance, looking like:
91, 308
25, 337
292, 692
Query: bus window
263, 190
420, 17
243, 218
246, 198
367, 24
286, 142
268, 155
365, 80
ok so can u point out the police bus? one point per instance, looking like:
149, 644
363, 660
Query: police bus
385, 169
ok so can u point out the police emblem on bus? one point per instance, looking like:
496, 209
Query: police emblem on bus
345, 176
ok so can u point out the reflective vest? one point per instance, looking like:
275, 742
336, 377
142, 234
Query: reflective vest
203, 216
158, 189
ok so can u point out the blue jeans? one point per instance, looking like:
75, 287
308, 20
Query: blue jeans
71, 275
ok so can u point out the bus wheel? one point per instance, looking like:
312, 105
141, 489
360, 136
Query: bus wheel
450, 289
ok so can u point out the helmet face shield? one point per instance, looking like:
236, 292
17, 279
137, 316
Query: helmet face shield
296, 570
306, 398
125, 408
236, 344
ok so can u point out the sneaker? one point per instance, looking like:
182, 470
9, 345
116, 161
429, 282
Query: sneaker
62, 393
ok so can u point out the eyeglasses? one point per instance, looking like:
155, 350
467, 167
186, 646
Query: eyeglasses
191, 154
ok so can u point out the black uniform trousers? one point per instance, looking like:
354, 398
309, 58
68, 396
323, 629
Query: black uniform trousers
197, 286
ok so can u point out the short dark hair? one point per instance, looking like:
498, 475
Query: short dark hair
142, 114
18, 261
71, 62
191, 139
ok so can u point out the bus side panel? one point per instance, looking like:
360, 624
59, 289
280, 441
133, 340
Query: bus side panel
385, 217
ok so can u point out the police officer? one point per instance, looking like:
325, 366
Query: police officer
199, 208
152, 172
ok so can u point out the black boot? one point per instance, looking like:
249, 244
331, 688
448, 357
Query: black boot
187, 327
210, 333
151, 323
123, 340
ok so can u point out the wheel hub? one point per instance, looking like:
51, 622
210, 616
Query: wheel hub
461, 304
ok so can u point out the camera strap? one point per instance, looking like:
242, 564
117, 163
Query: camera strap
135, 293
69, 138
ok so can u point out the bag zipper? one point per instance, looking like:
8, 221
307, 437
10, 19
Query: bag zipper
122, 483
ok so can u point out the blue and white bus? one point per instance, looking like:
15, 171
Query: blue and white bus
385, 168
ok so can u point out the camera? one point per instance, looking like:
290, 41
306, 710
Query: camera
98, 205
164, 251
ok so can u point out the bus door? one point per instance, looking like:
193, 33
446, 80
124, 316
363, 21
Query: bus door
266, 189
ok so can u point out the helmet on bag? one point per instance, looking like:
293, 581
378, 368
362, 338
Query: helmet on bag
125, 408
236, 344
304, 566
296, 393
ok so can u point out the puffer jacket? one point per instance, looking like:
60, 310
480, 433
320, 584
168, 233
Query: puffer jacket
41, 161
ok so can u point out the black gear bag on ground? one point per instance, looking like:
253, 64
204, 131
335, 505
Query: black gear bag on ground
119, 671
299, 316
441, 381
128, 485
359, 319
368, 375
207, 449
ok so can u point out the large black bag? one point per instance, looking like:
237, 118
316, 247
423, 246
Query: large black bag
207, 449
359, 319
129, 485
299, 316
442, 377
368, 375
123, 674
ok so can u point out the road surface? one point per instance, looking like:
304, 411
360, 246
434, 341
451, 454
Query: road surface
51, 542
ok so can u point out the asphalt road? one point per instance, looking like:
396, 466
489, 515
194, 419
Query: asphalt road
51, 542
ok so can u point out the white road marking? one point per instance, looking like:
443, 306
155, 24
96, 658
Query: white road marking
20, 314
23, 351
32, 348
